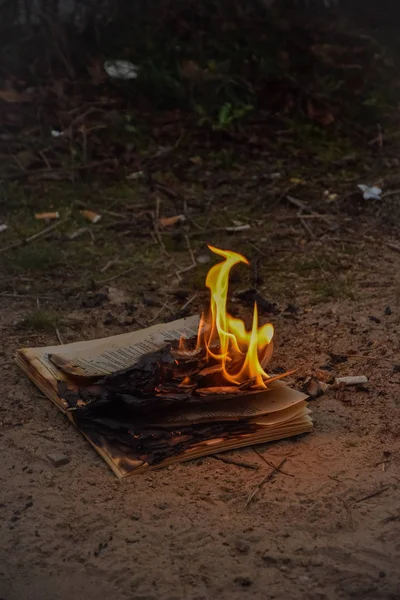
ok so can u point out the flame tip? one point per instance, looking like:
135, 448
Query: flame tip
238, 349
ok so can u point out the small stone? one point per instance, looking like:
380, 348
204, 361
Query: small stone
242, 546
269, 559
388, 311
58, 459
243, 581
203, 259
374, 319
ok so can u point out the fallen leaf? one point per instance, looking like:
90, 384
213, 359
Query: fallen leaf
171, 221
117, 296
191, 71
13, 97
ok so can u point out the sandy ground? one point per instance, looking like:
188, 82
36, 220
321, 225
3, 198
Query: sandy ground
326, 528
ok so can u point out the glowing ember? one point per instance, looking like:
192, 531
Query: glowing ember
237, 354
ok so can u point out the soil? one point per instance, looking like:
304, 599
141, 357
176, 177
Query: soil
326, 527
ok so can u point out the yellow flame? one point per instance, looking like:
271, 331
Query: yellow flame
236, 345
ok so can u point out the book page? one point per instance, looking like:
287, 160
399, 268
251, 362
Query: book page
95, 358
108, 355
274, 400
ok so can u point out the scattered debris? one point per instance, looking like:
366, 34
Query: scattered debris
386, 460
3, 227
292, 309
203, 259
58, 334
77, 233
337, 358
238, 463
329, 197
12, 96
171, 221
267, 478
373, 494
374, 319
237, 228
90, 215
134, 176
395, 247
117, 296
58, 459
351, 380
396, 368
121, 69
252, 295
189, 302
370, 193
93, 300
55, 133
314, 388
388, 311
42, 233
324, 375
47, 216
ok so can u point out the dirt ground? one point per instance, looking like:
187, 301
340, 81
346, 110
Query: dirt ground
326, 528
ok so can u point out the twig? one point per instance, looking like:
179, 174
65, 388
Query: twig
270, 463
390, 193
349, 512
108, 264
158, 313
298, 203
70, 169
189, 247
188, 302
335, 478
9, 295
101, 282
307, 228
158, 202
395, 247
307, 217
372, 495
231, 461
58, 334
258, 250
265, 479
33, 237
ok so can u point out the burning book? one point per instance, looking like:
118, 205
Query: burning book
174, 391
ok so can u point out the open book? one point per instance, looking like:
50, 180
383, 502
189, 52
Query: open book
181, 432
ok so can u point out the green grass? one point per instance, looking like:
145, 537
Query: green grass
324, 291
41, 257
42, 321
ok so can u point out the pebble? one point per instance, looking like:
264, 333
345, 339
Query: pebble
58, 459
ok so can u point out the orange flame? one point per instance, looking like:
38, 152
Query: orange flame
239, 353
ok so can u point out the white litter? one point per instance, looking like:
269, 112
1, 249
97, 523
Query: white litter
370, 193
356, 380
3, 227
121, 69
